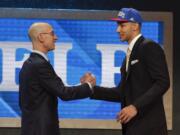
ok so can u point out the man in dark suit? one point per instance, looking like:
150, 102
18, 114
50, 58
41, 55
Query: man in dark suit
144, 80
39, 86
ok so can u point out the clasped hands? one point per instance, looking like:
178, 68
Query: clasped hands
88, 78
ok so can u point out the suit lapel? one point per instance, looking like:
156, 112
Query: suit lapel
133, 54
123, 66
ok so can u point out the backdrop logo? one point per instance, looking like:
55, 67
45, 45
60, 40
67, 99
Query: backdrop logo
15, 53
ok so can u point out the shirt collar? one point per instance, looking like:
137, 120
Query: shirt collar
41, 53
131, 45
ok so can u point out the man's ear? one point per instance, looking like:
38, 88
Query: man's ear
135, 26
40, 38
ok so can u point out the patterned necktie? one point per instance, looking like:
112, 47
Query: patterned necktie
127, 58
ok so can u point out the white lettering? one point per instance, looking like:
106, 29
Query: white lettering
108, 60
9, 63
60, 60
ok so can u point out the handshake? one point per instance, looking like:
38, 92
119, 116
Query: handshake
88, 78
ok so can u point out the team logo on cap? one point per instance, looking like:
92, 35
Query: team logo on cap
121, 14
132, 19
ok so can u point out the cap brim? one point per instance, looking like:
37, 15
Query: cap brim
119, 20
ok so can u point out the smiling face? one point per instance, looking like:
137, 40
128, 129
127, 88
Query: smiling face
127, 30
48, 38
43, 37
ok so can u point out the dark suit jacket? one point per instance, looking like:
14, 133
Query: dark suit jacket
143, 85
39, 87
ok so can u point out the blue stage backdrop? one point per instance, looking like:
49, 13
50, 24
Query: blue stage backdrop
82, 45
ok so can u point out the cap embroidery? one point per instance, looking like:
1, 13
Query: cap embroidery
132, 19
121, 14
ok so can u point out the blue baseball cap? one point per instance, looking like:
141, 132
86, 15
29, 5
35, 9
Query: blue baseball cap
128, 15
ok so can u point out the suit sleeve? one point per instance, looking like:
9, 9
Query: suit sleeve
54, 85
156, 65
114, 94
108, 94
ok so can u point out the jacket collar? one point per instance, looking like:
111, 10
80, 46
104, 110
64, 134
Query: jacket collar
133, 53
33, 54
132, 43
41, 54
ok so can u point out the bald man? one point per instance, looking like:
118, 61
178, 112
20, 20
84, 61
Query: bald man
39, 86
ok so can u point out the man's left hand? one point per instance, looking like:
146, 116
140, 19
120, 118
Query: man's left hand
126, 114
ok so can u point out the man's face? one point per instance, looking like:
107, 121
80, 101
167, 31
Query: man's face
49, 39
125, 31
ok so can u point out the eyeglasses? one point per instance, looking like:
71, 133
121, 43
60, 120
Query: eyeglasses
50, 33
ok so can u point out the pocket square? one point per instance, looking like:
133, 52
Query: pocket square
134, 62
